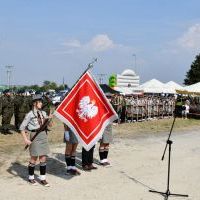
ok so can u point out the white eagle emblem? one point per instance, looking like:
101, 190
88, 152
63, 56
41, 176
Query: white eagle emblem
87, 109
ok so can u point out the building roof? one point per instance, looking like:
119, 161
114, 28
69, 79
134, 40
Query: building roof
128, 72
125, 90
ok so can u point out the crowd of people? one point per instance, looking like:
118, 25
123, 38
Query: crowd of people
134, 108
129, 108
18, 105
140, 108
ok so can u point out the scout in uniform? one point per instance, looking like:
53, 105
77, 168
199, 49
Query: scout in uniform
39, 147
104, 145
88, 159
70, 151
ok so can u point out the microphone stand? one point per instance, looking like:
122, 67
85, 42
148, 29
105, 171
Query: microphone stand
169, 143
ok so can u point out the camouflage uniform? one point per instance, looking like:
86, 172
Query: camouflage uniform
23, 108
46, 105
17, 102
0, 105
7, 112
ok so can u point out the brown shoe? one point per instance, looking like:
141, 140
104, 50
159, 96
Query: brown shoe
32, 182
91, 167
44, 183
75, 172
86, 168
106, 164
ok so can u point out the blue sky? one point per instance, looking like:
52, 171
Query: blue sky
52, 39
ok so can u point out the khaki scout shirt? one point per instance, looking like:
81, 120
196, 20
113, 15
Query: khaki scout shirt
31, 121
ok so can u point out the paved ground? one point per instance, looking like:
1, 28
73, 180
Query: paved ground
137, 167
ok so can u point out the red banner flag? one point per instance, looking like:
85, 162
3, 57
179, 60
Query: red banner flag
86, 111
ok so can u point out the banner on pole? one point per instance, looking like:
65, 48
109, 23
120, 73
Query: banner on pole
86, 111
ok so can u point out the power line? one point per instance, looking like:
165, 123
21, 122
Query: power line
9, 74
101, 78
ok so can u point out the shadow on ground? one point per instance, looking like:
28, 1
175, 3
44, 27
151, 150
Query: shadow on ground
61, 157
55, 167
142, 184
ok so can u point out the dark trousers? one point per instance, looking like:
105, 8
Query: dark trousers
6, 119
87, 156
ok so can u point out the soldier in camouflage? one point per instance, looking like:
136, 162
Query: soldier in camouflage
46, 104
22, 107
17, 102
0, 105
7, 111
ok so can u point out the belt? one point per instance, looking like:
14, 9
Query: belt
33, 131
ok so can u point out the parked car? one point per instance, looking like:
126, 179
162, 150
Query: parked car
57, 98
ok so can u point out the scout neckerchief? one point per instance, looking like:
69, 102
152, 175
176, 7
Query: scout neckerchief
39, 117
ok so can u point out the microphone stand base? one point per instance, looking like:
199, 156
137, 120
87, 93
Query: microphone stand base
167, 194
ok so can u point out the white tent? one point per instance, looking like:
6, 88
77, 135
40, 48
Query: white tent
193, 88
124, 90
173, 86
153, 86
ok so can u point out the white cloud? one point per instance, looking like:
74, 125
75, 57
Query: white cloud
191, 38
100, 42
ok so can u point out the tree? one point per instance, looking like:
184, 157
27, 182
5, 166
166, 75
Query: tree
62, 87
35, 87
193, 75
47, 85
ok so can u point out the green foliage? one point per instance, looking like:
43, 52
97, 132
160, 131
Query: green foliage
35, 87
61, 87
193, 75
47, 85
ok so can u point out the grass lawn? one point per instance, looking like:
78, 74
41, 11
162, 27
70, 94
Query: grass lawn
12, 143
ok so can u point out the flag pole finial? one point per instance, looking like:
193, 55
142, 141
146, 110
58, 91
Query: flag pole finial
90, 65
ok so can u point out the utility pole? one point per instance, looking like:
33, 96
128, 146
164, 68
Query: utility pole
135, 64
63, 82
101, 78
9, 74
